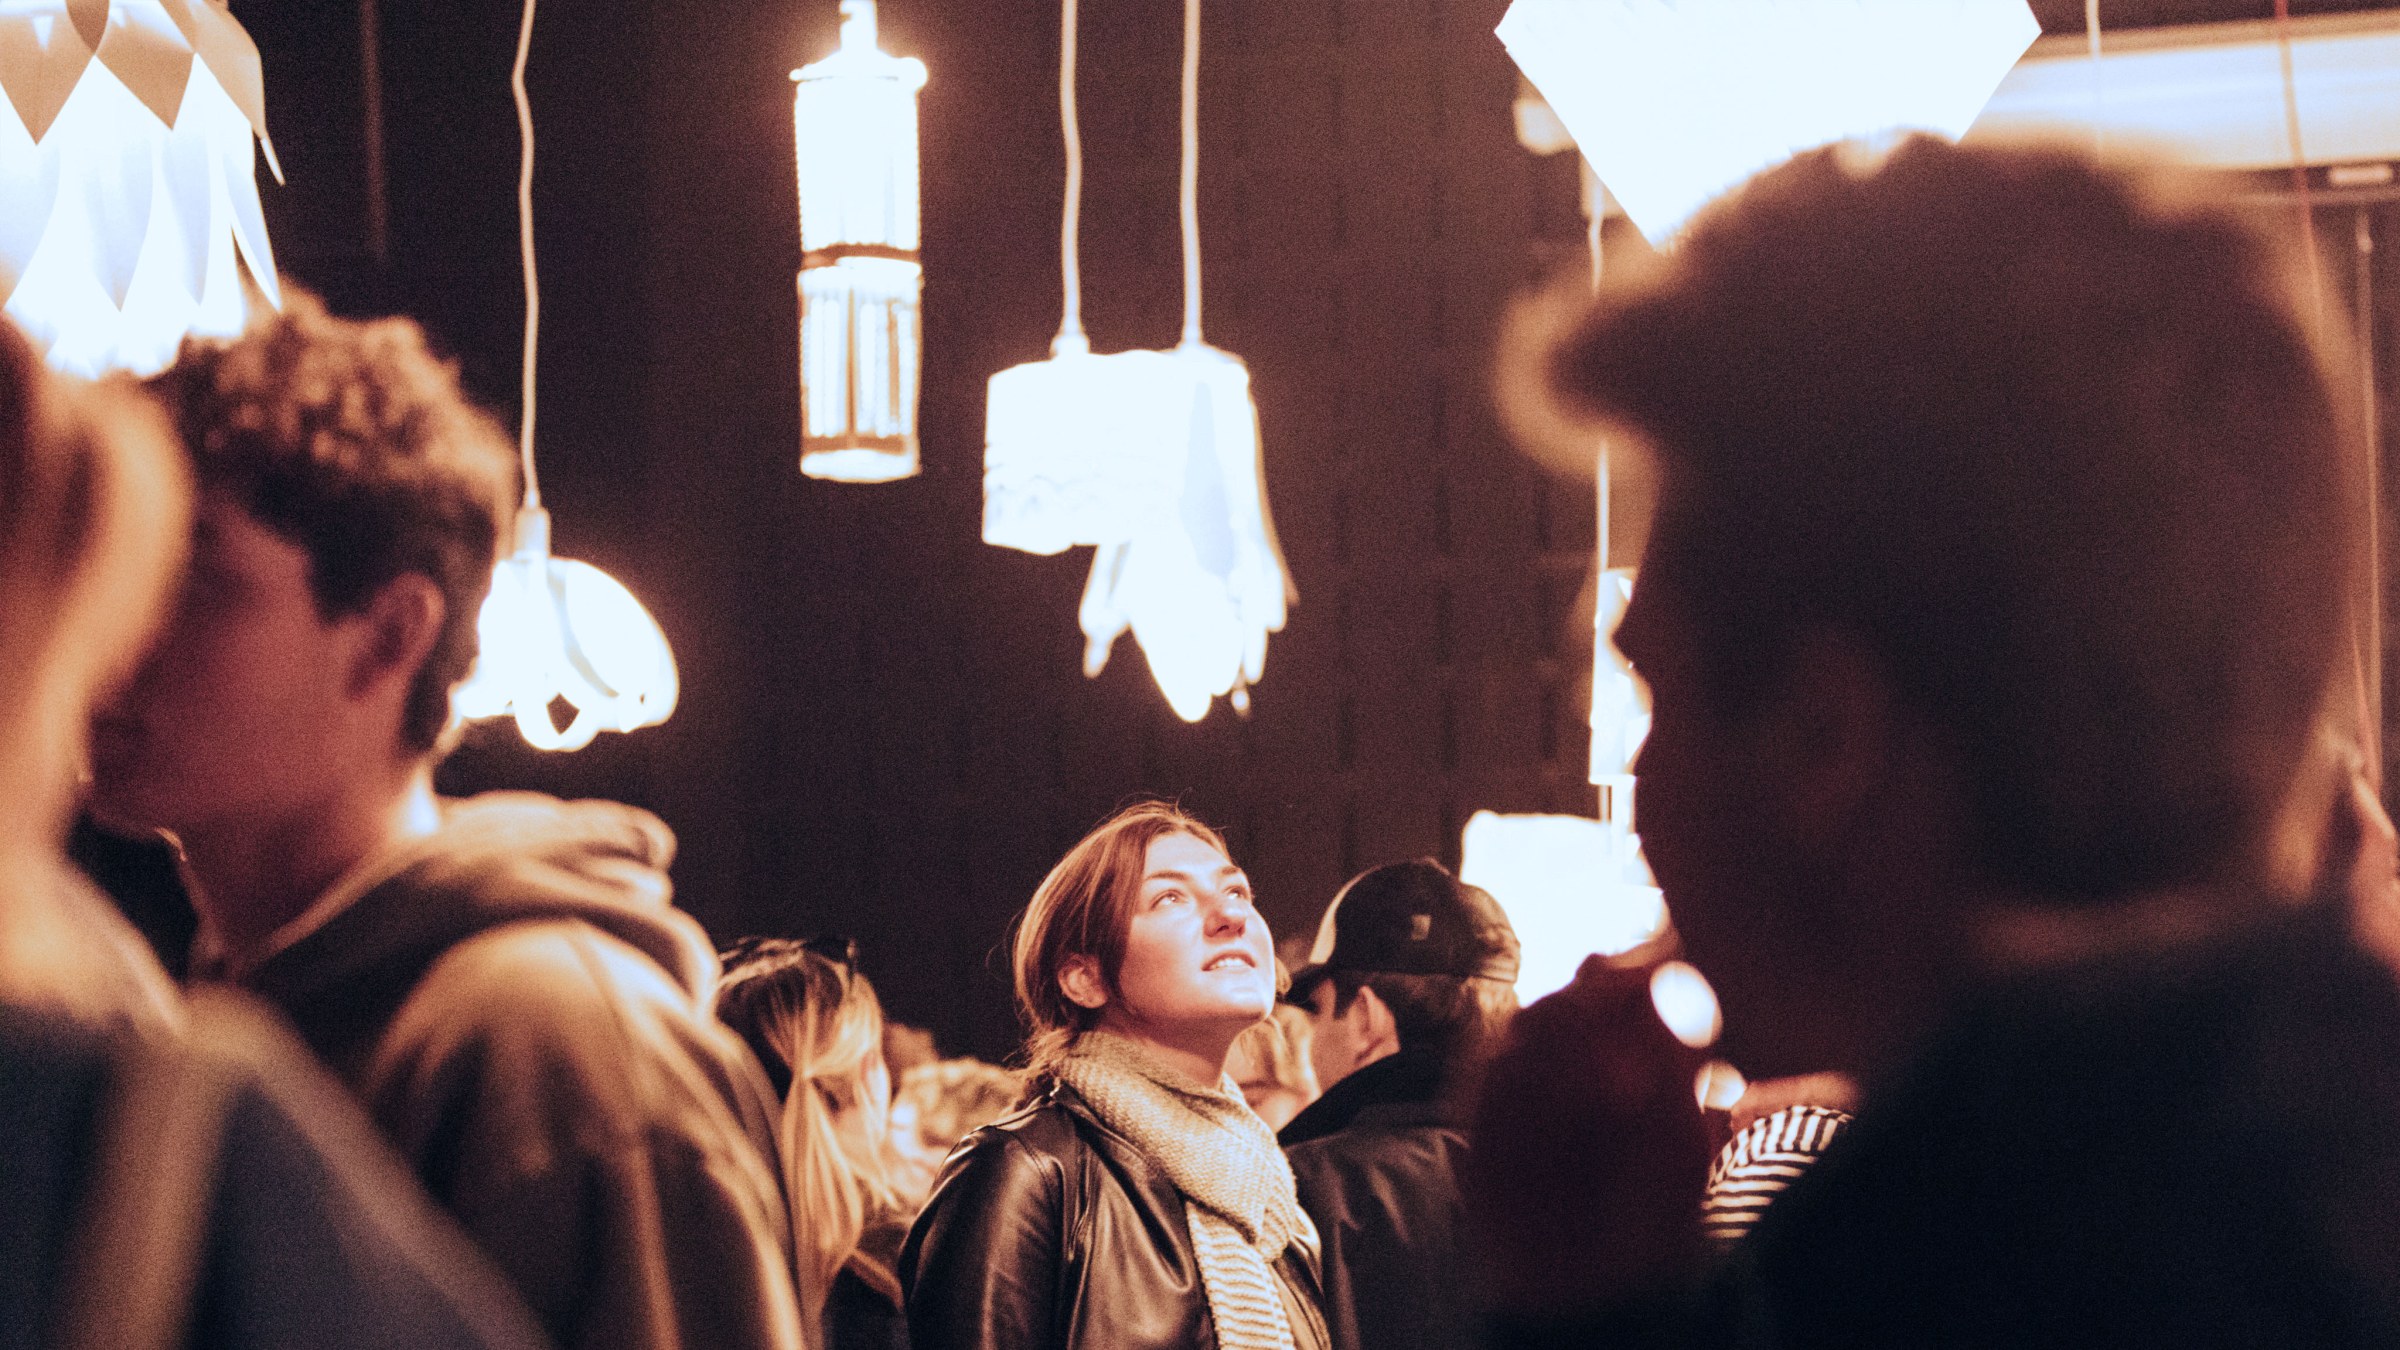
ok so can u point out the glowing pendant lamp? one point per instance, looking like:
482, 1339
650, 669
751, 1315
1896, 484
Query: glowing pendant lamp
128, 198
1676, 101
1152, 457
554, 630
854, 121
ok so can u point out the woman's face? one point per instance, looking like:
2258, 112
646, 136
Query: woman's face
1198, 958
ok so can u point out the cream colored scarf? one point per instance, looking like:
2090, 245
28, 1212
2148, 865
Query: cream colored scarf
1236, 1186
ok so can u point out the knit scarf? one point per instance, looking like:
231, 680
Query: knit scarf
1236, 1186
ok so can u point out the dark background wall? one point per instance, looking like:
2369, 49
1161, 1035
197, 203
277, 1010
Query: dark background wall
884, 730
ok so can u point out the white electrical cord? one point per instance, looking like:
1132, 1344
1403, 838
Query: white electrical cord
1190, 186
533, 288
1070, 324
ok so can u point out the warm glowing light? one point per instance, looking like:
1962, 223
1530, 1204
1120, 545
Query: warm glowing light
1686, 1003
129, 203
1719, 1086
854, 120
556, 630
1620, 718
1676, 101
1572, 888
1153, 458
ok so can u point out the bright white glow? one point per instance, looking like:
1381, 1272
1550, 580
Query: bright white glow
1719, 1086
1572, 888
1153, 457
1620, 718
854, 122
1676, 101
129, 203
1686, 1003
2212, 94
554, 629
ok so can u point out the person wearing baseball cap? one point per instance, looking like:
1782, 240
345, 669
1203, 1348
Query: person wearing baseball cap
1411, 978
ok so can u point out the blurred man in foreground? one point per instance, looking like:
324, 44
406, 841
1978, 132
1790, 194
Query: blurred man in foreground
501, 980
1997, 620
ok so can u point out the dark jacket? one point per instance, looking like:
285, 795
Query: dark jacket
306, 1233
1376, 1159
528, 1020
1050, 1231
2188, 1147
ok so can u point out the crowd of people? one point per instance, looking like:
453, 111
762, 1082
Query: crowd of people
2010, 776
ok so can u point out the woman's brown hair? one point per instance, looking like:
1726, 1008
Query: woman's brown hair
1083, 908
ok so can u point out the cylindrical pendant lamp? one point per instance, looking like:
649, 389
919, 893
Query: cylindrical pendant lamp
854, 120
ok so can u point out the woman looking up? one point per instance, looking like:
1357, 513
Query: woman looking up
1136, 1202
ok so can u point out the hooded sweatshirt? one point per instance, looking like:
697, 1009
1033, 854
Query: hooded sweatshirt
528, 1020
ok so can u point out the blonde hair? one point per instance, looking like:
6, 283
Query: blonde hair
1083, 909
819, 1022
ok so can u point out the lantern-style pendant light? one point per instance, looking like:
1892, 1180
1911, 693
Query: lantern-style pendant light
129, 203
1151, 456
854, 122
554, 630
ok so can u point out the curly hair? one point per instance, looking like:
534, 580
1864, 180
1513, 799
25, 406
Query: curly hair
352, 440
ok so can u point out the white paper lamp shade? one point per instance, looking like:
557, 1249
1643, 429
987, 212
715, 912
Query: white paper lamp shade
854, 122
1676, 101
554, 629
1571, 887
129, 205
1193, 569
1081, 448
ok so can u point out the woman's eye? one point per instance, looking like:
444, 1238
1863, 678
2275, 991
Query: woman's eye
1164, 896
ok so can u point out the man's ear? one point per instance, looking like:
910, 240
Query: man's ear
1080, 981
397, 631
1374, 1031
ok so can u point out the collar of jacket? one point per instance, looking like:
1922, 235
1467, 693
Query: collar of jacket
1408, 1078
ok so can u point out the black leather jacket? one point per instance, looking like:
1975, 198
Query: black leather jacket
1049, 1231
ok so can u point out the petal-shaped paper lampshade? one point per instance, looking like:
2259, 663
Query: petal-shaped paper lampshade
1675, 101
854, 120
128, 195
1572, 887
1199, 578
554, 629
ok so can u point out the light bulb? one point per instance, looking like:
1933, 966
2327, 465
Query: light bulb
554, 629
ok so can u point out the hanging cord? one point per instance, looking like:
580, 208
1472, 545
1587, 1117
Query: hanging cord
2091, 29
533, 286
1070, 323
1190, 188
2291, 128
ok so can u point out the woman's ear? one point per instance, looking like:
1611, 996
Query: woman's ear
1079, 979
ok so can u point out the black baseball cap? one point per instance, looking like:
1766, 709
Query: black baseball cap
1412, 918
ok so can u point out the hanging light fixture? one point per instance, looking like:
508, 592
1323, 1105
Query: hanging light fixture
854, 122
553, 630
1150, 456
1676, 101
128, 194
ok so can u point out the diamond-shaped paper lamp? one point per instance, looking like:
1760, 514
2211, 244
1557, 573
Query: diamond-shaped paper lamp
128, 194
1676, 101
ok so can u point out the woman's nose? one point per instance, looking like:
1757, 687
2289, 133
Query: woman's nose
1233, 912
